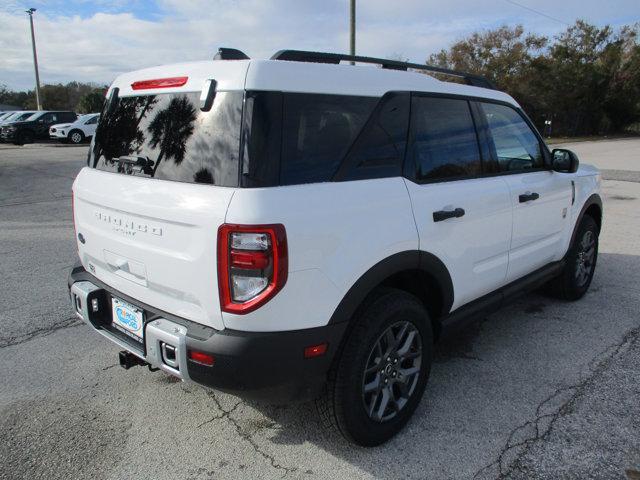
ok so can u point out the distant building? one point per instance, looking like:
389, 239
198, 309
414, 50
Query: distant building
4, 107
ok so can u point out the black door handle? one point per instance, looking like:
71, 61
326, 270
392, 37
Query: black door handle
528, 197
441, 215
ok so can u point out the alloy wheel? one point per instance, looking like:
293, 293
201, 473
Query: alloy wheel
586, 258
392, 371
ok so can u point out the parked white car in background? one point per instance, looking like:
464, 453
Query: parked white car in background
77, 132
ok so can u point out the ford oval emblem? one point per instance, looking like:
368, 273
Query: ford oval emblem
127, 318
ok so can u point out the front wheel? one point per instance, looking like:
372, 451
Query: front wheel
382, 372
575, 279
76, 137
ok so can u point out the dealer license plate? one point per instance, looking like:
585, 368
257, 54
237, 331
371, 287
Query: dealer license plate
128, 318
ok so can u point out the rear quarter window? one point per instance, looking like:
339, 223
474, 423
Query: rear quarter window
317, 131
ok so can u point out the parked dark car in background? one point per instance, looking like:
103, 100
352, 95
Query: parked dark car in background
35, 127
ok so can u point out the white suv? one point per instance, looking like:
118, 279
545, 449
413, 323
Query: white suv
77, 132
295, 228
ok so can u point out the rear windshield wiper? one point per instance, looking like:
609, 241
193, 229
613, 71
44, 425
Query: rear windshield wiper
145, 163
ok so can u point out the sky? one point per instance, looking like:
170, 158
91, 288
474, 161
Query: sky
95, 40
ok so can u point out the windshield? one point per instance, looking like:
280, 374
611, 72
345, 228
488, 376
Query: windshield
30, 117
168, 137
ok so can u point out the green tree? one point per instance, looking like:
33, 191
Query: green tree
587, 79
9, 97
622, 100
91, 102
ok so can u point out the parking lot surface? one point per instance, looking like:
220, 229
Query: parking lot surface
541, 389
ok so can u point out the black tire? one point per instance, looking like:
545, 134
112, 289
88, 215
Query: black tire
580, 265
75, 137
343, 406
23, 137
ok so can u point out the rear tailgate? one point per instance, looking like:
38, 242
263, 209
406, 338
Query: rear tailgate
153, 240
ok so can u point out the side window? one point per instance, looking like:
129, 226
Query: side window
47, 118
317, 131
92, 121
516, 146
444, 144
379, 150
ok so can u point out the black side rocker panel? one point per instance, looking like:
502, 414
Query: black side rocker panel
493, 301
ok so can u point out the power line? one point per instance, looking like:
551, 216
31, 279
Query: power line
536, 11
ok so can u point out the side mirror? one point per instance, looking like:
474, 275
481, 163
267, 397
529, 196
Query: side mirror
563, 160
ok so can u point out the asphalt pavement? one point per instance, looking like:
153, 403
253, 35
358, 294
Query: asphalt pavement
541, 389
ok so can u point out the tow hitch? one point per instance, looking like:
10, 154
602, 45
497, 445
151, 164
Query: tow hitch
128, 360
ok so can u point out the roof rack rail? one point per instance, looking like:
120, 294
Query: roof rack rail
224, 53
335, 58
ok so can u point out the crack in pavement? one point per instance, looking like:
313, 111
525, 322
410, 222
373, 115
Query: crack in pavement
40, 332
34, 202
536, 428
226, 414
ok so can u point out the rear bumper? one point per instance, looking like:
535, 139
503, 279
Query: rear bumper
267, 366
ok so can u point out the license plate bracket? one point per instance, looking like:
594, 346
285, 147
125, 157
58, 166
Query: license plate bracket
128, 319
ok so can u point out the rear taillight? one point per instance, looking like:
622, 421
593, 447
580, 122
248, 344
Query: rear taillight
252, 265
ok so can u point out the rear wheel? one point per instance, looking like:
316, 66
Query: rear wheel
575, 279
75, 137
382, 372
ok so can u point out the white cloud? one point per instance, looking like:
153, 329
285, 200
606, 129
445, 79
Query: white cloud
98, 47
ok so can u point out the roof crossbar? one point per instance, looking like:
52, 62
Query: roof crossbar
336, 58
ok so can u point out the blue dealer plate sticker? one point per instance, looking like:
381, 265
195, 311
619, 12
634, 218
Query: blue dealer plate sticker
127, 318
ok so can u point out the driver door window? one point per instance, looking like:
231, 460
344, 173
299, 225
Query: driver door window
516, 146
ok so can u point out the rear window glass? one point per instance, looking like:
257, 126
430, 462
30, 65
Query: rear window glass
168, 137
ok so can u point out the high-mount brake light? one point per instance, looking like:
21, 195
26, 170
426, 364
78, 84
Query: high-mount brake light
159, 83
252, 265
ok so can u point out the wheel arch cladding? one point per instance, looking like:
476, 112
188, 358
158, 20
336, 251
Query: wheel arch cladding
592, 207
420, 273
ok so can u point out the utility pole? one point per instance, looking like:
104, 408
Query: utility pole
352, 28
35, 57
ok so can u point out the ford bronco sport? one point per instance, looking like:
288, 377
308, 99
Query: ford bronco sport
296, 228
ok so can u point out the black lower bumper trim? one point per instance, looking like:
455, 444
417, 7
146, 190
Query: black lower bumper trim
266, 366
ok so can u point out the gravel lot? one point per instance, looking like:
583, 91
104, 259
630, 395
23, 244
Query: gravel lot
542, 389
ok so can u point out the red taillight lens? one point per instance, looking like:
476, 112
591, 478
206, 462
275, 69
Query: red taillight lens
315, 350
201, 358
252, 265
249, 260
159, 83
